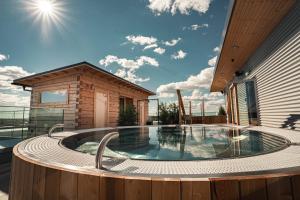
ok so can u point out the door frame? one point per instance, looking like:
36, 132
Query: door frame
235, 118
256, 98
97, 90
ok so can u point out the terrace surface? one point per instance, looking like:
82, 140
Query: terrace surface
49, 152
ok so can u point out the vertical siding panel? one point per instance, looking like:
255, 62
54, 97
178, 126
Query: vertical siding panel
279, 188
193, 189
39, 183
253, 189
68, 186
88, 187
243, 108
137, 189
225, 190
276, 67
112, 188
164, 189
52, 184
295, 180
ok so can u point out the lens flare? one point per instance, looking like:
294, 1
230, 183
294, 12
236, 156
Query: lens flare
48, 14
45, 7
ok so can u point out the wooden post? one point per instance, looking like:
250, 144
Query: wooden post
191, 117
181, 107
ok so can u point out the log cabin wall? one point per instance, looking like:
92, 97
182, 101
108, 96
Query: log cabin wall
66, 81
89, 83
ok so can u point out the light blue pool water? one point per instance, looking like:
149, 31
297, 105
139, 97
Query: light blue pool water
190, 143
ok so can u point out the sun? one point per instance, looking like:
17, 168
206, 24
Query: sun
47, 14
46, 7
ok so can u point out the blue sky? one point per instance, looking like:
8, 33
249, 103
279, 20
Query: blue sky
159, 44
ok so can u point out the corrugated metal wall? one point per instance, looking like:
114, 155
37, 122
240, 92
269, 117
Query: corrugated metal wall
242, 102
276, 67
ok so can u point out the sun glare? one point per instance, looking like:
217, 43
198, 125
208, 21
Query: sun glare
47, 14
45, 7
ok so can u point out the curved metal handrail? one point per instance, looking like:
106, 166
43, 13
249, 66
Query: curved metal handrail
55, 127
102, 146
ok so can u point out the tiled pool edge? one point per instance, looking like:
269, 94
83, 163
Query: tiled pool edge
46, 150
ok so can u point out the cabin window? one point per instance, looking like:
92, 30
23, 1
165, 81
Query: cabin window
124, 102
57, 96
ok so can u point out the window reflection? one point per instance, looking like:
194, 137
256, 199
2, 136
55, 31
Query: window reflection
58, 96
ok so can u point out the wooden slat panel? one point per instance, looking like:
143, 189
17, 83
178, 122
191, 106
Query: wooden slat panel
195, 189
253, 189
225, 190
88, 186
18, 180
164, 189
27, 182
12, 178
68, 186
39, 177
279, 188
295, 180
110, 184
15, 173
137, 189
52, 184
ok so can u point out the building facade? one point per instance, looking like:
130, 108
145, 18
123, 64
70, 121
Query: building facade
259, 65
90, 97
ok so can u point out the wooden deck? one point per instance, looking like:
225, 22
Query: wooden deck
32, 180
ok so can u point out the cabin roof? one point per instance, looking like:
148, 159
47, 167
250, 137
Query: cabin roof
28, 81
249, 23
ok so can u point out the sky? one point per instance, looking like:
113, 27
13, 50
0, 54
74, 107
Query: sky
162, 45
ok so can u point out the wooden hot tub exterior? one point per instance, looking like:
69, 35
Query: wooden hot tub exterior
33, 180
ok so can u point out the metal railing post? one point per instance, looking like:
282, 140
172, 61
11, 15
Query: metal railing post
101, 148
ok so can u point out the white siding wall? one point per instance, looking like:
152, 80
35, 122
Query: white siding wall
276, 67
242, 101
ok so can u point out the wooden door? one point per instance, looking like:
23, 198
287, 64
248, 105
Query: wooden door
142, 113
100, 109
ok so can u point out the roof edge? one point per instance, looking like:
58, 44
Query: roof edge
227, 22
16, 81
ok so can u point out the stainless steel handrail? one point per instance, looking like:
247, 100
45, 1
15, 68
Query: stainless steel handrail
102, 146
54, 127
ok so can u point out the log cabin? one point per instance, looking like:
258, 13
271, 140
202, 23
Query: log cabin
89, 96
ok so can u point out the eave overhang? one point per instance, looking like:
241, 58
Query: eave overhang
248, 25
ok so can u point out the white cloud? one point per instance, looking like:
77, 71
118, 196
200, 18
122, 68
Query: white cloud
10, 94
195, 27
8, 74
128, 63
212, 61
212, 100
130, 75
129, 67
147, 60
3, 57
141, 40
172, 42
15, 99
150, 46
183, 6
201, 80
179, 55
160, 6
217, 49
159, 50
